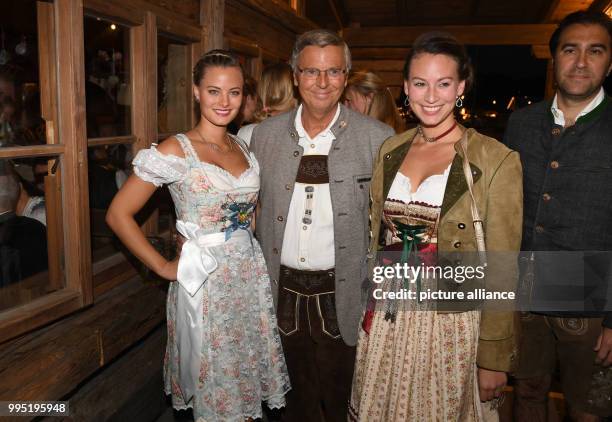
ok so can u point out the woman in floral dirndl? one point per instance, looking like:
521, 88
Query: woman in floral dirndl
224, 355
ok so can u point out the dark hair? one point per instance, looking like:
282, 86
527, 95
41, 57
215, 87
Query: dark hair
250, 87
583, 17
214, 58
443, 43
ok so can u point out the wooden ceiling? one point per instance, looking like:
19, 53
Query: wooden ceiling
337, 14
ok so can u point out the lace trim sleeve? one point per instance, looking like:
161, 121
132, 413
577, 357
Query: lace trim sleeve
154, 167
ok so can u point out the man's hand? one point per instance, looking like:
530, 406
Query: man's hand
604, 347
491, 384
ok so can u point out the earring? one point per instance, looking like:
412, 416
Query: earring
197, 100
406, 102
459, 102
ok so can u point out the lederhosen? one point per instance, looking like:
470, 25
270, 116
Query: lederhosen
320, 364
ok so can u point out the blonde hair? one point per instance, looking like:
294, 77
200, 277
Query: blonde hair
382, 106
276, 90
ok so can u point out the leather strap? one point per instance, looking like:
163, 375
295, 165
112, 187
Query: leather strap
477, 221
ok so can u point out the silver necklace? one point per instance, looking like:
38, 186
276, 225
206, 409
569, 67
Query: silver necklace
216, 147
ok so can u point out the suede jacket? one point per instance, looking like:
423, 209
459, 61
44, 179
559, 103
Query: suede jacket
498, 193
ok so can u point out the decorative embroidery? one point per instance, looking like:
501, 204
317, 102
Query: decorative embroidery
313, 170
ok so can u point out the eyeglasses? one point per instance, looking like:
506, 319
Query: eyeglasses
313, 73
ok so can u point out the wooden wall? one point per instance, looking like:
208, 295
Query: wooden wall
262, 30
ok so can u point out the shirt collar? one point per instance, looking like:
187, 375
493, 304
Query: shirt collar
302, 132
560, 118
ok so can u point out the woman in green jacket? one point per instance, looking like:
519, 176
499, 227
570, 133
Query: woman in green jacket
415, 363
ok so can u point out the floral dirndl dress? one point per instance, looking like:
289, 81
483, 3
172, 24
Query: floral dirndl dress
240, 360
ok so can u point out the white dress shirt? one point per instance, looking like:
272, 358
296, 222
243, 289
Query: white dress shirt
310, 246
560, 118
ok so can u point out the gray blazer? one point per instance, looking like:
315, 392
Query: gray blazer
358, 138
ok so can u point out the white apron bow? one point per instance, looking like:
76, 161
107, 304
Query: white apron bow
196, 263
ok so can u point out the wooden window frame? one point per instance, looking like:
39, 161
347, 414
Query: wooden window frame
60, 58
61, 61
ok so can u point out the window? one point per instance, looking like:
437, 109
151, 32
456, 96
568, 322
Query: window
107, 78
29, 230
33, 163
108, 99
76, 102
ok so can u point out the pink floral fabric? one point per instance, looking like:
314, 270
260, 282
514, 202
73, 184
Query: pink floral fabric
242, 362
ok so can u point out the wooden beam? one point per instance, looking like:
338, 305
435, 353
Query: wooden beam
187, 31
132, 387
389, 53
247, 23
143, 64
338, 13
404, 36
243, 46
212, 13
392, 78
72, 133
379, 65
281, 13
124, 12
299, 6
33, 151
49, 363
21, 319
48, 108
559, 9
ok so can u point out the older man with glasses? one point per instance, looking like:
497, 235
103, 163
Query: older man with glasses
316, 165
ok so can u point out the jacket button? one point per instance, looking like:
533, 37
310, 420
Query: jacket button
275, 251
554, 164
288, 186
457, 245
556, 131
330, 274
279, 218
296, 153
461, 226
546, 197
539, 229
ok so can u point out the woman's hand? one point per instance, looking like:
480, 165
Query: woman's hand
169, 270
491, 384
